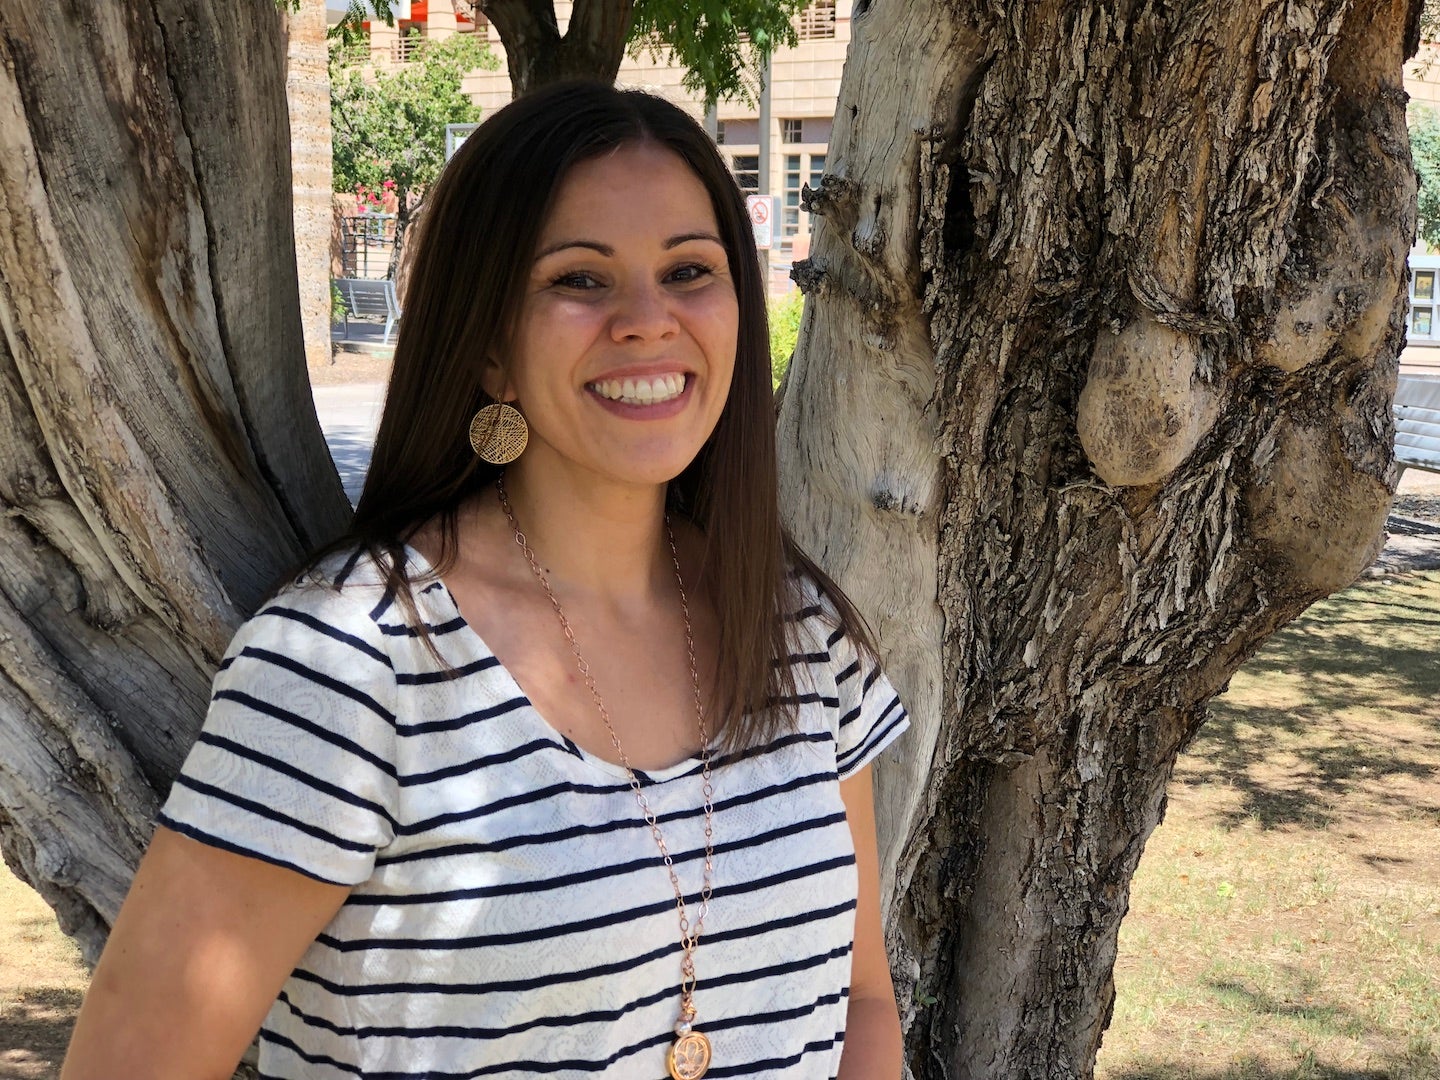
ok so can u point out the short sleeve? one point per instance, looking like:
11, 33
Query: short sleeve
295, 764
869, 715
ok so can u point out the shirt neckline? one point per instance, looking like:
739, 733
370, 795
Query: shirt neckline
685, 766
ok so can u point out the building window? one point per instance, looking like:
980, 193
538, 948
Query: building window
1424, 324
742, 132
790, 213
792, 131
817, 170
719, 132
817, 21
800, 171
746, 168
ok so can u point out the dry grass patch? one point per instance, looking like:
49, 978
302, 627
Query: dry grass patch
1285, 920
41, 983
351, 367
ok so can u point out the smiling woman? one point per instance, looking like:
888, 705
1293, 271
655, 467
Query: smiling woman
557, 762
627, 333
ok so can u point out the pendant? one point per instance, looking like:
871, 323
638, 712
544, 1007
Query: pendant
689, 1057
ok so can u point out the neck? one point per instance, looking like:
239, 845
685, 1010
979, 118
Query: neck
609, 542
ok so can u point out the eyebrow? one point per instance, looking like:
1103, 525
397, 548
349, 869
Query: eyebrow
608, 251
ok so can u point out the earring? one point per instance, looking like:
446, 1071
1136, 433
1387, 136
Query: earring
498, 433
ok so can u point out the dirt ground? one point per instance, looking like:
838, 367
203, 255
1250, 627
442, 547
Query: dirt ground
41, 983
351, 367
1284, 923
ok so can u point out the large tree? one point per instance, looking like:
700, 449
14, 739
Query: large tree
160, 460
1091, 393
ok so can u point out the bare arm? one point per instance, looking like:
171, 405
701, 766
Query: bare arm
872, 1027
203, 943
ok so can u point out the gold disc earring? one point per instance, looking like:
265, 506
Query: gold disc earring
498, 433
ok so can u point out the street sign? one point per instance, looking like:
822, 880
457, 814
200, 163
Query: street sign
762, 210
455, 134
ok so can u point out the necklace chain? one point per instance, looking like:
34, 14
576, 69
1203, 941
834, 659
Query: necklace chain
689, 933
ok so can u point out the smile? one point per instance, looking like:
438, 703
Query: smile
641, 391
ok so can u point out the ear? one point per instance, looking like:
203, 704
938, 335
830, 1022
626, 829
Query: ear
495, 380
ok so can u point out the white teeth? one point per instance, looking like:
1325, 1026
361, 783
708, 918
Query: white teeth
641, 391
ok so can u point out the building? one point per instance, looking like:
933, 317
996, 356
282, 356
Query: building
804, 86
1422, 353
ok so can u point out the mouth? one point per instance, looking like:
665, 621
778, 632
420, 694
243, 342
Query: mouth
641, 390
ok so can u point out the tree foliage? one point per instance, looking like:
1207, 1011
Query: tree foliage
1425, 149
390, 125
721, 44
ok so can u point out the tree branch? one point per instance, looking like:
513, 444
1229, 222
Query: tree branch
598, 29
530, 34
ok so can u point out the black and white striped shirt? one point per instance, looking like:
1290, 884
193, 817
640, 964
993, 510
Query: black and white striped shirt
510, 916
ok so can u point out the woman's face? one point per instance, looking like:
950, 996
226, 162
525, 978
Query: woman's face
625, 344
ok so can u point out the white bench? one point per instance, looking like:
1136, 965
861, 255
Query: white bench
1417, 423
367, 298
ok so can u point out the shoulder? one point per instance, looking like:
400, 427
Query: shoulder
815, 617
359, 590
346, 600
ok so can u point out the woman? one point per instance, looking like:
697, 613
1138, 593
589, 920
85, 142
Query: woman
558, 764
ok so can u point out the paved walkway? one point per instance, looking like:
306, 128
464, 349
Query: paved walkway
363, 336
349, 416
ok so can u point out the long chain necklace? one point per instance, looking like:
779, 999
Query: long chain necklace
689, 1056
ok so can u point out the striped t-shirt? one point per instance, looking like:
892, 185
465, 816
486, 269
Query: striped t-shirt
510, 916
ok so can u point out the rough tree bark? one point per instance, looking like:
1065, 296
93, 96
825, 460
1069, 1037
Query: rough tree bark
1097, 361
160, 460
536, 53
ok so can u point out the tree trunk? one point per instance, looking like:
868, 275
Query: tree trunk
403, 214
160, 460
535, 52
1097, 361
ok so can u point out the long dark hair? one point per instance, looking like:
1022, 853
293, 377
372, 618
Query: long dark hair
467, 280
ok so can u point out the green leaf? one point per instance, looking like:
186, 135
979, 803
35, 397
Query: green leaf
1425, 149
722, 45
388, 124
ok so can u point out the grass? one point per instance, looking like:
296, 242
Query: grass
1285, 919
41, 983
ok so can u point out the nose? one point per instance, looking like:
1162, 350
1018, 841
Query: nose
644, 311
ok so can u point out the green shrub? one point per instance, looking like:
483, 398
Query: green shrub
1425, 149
784, 329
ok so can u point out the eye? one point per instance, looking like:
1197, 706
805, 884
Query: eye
575, 279
690, 272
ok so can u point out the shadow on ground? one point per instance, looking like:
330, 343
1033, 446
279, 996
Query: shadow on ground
350, 450
1325, 664
35, 1028
1254, 1070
